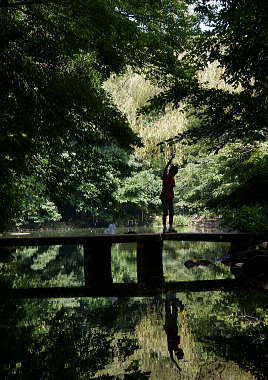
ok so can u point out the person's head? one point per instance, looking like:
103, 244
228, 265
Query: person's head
179, 353
173, 170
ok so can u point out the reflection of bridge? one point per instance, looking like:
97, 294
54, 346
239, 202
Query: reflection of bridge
150, 276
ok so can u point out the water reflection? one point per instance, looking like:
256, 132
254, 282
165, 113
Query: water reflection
64, 265
223, 335
69, 231
175, 254
171, 328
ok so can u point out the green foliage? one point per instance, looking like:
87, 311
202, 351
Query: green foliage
247, 219
181, 220
124, 263
9, 201
240, 318
226, 112
142, 189
54, 112
234, 177
34, 206
96, 337
131, 92
236, 41
69, 131
178, 220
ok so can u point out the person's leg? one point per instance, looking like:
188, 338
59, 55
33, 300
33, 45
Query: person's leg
164, 219
171, 215
165, 214
167, 311
171, 221
174, 310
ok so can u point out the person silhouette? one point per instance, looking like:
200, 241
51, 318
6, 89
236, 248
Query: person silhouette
172, 330
167, 194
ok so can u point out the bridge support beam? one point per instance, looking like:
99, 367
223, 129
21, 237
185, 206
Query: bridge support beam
149, 262
97, 264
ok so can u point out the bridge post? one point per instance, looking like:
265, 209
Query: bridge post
97, 264
150, 262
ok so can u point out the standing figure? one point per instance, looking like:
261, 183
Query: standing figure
167, 194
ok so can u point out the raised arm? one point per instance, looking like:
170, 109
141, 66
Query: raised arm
167, 165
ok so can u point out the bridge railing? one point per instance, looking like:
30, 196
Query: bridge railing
97, 251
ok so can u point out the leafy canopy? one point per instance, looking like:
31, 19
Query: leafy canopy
54, 112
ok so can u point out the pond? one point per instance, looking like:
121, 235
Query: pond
221, 334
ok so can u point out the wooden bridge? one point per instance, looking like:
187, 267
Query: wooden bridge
149, 253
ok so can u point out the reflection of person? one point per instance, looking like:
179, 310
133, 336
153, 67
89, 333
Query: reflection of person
171, 329
167, 194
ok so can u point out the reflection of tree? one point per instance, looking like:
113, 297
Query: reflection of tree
68, 261
245, 326
219, 370
20, 322
124, 262
92, 335
92, 338
172, 252
51, 265
253, 357
176, 253
231, 328
10, 315
45, 340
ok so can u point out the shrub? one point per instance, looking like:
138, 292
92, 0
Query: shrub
246, 219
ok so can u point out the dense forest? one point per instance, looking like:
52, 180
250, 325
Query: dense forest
96, 95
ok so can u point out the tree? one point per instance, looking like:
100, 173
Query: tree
222, 118
237, 41
54, 112
142, 189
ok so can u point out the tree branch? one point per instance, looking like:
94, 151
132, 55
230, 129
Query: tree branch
7, 4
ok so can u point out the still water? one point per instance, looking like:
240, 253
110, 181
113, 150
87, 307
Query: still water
221, 335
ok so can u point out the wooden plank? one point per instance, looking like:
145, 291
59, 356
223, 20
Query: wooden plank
123, 290
33, 240
225, 237
62, 239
